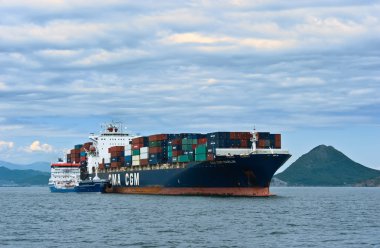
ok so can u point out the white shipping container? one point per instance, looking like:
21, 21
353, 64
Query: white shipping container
144, 156
232, 151
135, 163
128, 147
127, 152
144, 150
136, 158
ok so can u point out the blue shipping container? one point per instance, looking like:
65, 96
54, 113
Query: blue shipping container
128, 159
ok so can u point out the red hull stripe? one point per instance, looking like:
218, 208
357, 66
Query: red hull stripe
191, 191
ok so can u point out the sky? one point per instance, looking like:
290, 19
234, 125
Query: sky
309, 70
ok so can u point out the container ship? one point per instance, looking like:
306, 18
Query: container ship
217, 163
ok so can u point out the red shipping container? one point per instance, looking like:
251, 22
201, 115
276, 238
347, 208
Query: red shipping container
277, 141
244, 143
261, 143
117, 154
194, 146
76, 160
176, 142
137, 146
155, 149
210, 157
75, 156
177, 153
115, 164
143, 162
158, 137
101, 167
246, 136
87, 145
202, 141
75, 151
116, 149
83, 159
139, 140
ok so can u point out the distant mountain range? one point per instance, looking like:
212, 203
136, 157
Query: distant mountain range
10, 177
322, 166
326, 166
39, 166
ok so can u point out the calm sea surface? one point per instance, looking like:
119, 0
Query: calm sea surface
296, 217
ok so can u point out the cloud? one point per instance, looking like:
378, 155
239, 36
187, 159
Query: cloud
173, 65
54, 32
36, 146
257, 43
6, 145
3, 86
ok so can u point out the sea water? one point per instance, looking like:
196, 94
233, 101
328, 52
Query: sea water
295, 217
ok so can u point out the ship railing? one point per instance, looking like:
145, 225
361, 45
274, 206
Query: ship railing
269, 151
149, 167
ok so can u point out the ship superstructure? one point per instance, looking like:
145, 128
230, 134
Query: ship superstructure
64, 177
113, 134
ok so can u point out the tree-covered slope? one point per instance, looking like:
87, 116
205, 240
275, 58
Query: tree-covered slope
23, 177
326, 166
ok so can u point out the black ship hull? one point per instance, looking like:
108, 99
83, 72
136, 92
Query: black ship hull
248, 175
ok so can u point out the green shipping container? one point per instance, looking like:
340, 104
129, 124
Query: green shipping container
155, 143
185, 141
201, 149
189, 141
201, 157
135, 152
187, 147
185, 158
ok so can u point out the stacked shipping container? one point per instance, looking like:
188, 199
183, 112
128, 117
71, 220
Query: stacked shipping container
267, 140
117, 156
158, 149
176, 148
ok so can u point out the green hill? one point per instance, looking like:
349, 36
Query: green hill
22, 177
326, 166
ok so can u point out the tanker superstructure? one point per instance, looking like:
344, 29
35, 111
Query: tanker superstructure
218, 163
